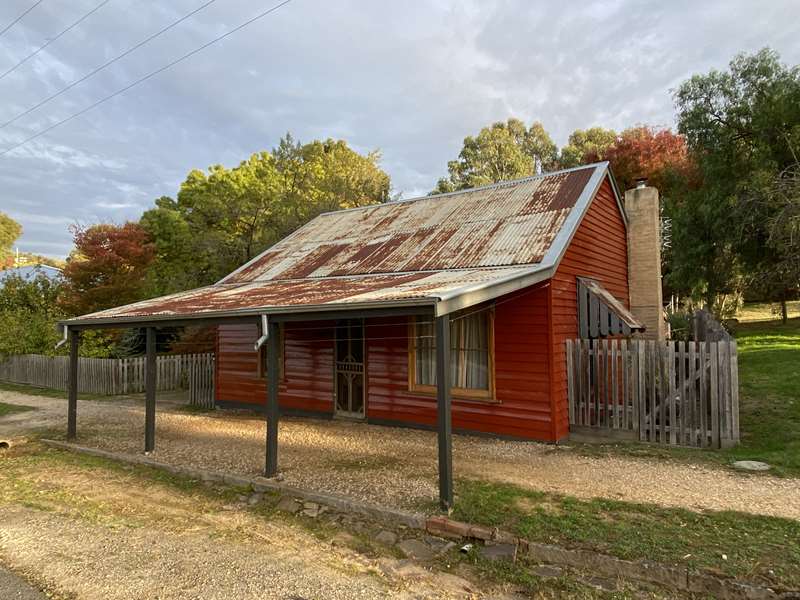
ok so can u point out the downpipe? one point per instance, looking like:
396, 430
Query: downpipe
264, 333
64, 339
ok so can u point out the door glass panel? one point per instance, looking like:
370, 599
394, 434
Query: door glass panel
350, 368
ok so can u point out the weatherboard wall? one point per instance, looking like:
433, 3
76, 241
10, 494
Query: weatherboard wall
522, 407
599, 250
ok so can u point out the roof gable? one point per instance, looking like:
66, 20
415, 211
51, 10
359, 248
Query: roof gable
506, 224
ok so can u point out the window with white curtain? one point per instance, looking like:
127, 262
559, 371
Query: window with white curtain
471, 359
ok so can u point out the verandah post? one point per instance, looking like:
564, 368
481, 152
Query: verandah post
150, 391
72, 401
272, 400
444, 420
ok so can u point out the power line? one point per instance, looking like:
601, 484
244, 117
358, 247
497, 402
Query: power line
145, 78
17, 20
51, 40
108, 63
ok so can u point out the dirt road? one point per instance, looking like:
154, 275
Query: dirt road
82, 529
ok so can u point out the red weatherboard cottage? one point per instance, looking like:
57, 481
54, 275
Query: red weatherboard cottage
359, 303
449, 243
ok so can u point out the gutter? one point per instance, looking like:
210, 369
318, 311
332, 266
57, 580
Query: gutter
250, 312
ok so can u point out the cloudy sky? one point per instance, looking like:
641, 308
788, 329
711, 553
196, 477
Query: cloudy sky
410, 78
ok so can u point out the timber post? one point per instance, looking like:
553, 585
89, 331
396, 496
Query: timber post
150, 391
72, 397
271, 469
443, 412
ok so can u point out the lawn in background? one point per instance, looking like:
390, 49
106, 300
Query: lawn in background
769, 392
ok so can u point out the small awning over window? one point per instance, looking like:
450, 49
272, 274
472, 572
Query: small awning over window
600, 314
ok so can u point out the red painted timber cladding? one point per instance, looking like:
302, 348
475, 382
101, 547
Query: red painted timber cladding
521, 371
599, 249
307, 381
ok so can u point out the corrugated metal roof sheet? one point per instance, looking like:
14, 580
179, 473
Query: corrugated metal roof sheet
426, 250
505, 224
317, 292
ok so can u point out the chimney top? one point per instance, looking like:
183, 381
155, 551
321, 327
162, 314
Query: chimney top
641, 182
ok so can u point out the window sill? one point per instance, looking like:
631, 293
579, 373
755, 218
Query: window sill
460, 394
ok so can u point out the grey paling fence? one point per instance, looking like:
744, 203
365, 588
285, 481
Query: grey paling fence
112, 376
676, 393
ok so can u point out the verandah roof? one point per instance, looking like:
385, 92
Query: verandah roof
308, 295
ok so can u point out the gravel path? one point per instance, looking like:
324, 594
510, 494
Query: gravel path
397, 467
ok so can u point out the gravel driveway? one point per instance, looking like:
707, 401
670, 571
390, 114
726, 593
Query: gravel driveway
397, 467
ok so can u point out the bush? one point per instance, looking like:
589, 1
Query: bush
680, 324
23, 331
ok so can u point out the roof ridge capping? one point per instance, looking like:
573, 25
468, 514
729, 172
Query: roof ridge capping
498, 184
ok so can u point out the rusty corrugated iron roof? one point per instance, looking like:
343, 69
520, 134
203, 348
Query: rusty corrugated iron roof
505, 224
449, 250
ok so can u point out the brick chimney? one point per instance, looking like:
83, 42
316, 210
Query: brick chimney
644, 258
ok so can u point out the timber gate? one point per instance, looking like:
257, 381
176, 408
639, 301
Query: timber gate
675, 393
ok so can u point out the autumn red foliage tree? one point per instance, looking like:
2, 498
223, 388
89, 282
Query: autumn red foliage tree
107, 268
659, 155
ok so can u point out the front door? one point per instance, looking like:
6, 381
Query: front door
349, 366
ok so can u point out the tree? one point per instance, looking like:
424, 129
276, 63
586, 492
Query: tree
107, 268
659, 155
10, 230
224, 217
779, 276
743, 131
28, 314
586, 143
500, 152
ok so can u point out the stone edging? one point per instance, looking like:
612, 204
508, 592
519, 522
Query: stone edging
677, 578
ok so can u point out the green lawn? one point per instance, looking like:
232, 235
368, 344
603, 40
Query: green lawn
769, 390
10, 409
765, 549
47, 392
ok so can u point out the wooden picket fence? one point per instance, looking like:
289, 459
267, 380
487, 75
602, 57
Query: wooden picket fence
675, 393
115, 376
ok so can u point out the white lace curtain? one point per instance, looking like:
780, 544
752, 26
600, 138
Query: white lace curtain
469, 351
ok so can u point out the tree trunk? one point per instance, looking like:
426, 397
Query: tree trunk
784, 311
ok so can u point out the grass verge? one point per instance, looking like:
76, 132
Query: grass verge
10, 409
47, 392
119, 495
764, 549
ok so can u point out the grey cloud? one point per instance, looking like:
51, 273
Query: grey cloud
409, 78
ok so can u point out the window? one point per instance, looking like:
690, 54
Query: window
471, 354
262, 356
